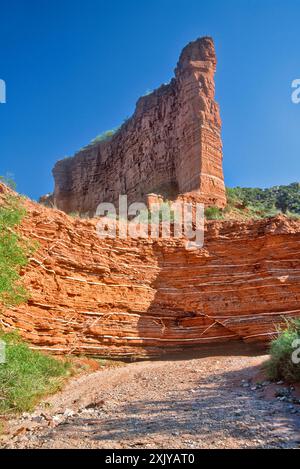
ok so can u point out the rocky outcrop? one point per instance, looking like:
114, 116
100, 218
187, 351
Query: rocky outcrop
171, 145
47, 200
144, 297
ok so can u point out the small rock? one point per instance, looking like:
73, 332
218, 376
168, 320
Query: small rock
284, 392
46, 417
20, 431
69, 413
57, 418
38, 419
94, 404
88, 411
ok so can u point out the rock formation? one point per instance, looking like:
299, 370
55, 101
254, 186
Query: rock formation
144, 297
171, 145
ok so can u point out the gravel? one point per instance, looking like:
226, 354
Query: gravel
190, 402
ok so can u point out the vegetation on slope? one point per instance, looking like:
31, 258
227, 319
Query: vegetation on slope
8, 181
105, 136
26, 375
255, 203
13, 251
283, 198
284, 356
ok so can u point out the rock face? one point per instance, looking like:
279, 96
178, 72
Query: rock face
144, 297
171, 145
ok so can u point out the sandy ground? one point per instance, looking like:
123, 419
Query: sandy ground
209, 400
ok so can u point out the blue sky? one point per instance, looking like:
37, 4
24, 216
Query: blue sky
76, 68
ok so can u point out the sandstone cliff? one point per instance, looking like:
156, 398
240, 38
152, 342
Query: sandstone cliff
171, 145
145, 297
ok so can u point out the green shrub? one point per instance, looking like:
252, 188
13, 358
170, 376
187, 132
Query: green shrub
8, 181
285, 199
293, 216
74, 214
107, 135
13, 252
27, 375
213, 213
164, 213
280, 366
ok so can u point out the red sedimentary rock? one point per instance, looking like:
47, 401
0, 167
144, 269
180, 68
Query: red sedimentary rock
171, 145
145, 297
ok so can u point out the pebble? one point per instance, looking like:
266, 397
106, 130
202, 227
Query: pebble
57, 418
69, 413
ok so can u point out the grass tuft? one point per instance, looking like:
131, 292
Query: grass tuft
14, 251
27, 375
281, 366
213, 213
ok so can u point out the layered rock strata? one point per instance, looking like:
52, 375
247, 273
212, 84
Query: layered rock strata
144, 297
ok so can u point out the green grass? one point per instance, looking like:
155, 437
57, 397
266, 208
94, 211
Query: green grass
280, 366
74, 214
162, 213
14, 251
8, 180
27, 376
213, 213
107, 135
103, 137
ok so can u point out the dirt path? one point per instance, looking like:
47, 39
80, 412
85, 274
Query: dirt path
192, 402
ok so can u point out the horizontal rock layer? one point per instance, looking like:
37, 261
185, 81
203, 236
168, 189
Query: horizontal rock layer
171, 145
145, 297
